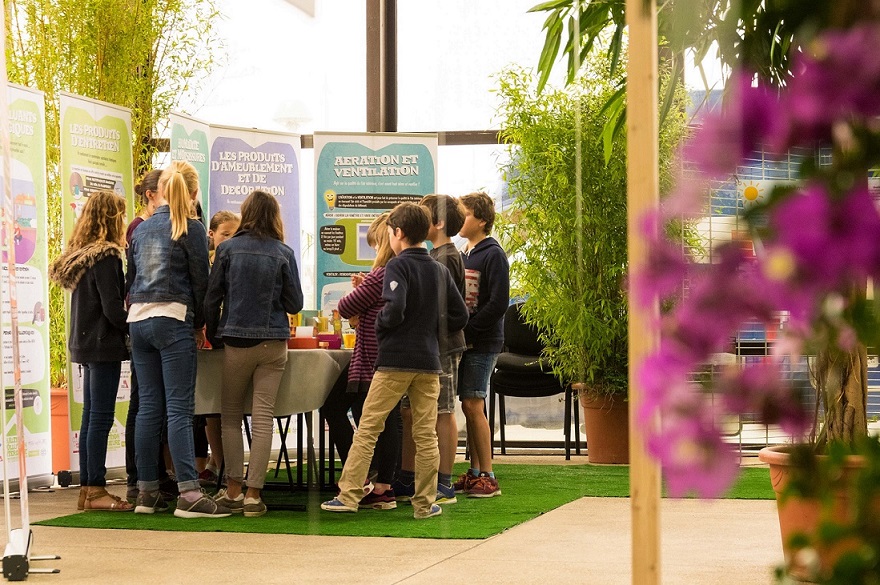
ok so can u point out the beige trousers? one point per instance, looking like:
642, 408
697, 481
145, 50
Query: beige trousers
263, 365
386, 390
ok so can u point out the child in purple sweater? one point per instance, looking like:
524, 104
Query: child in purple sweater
362, 306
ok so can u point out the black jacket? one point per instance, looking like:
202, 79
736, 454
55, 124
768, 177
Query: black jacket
487, 294
98, 325
419, 293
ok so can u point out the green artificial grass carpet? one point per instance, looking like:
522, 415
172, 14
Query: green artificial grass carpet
527, 492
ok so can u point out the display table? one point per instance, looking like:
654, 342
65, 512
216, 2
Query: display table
307, 380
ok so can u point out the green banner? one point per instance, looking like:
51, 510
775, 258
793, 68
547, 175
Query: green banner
357, 177
28, 181
96, 154
189, 142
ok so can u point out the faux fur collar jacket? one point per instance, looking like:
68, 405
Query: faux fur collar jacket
97, 321
67, 270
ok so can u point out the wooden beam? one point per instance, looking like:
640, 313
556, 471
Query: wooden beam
450, 138
642, 196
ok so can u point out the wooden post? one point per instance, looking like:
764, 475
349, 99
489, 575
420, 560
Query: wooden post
642, 195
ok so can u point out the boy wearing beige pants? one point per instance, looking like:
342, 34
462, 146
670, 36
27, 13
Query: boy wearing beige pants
418, 293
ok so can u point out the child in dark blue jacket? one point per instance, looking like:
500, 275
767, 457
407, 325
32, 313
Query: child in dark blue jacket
487, 294
408, 362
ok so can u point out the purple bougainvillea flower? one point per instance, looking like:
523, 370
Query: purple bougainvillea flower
694, 456
826, 89
720, 298
661, 375
763, 388
663, 273
826, 243
820, 240
688, 200
750, 117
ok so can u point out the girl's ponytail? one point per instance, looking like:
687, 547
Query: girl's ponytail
181, 182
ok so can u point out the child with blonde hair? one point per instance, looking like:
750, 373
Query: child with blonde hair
169, 277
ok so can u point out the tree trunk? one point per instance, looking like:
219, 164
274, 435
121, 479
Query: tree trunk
842, 382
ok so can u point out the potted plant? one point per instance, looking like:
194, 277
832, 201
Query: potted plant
565, 231
817, 244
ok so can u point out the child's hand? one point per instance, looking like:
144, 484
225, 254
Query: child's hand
357, 279
353, 321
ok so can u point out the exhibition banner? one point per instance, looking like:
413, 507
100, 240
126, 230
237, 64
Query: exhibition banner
28, 180
190, 142
243, 160
96, 154
357, 177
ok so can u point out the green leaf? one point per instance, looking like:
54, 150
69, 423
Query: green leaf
669, 95
550, 50
551, 5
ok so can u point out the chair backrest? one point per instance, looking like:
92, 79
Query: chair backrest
518, 336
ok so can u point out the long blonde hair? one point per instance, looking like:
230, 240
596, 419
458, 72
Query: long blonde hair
179, 184
102, 219
377, 235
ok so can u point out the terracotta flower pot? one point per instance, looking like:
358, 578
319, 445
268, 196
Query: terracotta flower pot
606, 421
802, 515
60, 430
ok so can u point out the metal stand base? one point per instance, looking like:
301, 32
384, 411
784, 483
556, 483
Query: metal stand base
16, 562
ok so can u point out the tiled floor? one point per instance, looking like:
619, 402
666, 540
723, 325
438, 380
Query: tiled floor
585, 542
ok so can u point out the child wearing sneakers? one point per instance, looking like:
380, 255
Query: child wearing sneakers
408, 361
254, 284
447, 218
487, 294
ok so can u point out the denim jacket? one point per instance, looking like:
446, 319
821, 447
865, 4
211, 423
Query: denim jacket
257, 282
162, 270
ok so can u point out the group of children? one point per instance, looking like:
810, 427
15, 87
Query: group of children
438, 330
429, 324
166, 301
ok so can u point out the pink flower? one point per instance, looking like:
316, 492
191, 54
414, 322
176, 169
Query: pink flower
689, 446
838, 79
750, 116
762, 388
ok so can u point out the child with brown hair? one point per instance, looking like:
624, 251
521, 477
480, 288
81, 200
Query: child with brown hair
255, 280
91, 268
487, 295
447, 217
408, 361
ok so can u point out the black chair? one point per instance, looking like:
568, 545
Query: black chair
519, 372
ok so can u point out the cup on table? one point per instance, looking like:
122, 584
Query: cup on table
322, 323
348, 339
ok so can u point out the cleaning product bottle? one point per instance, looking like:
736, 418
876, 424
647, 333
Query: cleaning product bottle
337, 324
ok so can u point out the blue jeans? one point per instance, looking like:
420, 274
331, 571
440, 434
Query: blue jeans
100, 383
474, 372
164, 354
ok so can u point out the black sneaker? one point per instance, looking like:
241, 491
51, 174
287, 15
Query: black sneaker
149, 502
168, 487
204, 507
403, 491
